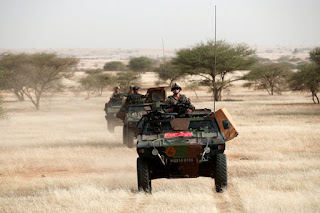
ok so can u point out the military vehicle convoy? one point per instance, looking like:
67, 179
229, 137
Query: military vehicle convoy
173, 145
173, 141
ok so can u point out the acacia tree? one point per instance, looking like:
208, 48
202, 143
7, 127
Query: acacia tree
271, 77
140, 64
44, 72
315, 55
13, 73
199, 60
168, 72
308, 76
1, 108
97, 83
307, 79
114, 66
125, 79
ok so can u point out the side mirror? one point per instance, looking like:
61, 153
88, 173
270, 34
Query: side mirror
226, 124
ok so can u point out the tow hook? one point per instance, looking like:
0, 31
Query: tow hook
161, 157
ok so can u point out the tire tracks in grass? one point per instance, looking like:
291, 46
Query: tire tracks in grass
229, 201
137, 202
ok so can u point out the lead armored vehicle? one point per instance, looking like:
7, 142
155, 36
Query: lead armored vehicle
174, 146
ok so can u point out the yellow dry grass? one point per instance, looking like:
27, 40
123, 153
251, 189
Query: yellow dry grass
62, 159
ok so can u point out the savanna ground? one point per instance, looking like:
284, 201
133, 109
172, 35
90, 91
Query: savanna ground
62, 159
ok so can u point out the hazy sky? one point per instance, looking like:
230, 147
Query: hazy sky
142, 23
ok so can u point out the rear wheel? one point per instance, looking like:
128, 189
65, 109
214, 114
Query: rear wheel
110, 127
124, 135
144, 181
130, 137
220, 172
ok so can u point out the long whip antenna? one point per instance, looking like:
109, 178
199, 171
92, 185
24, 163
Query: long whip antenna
215, 60
164, 58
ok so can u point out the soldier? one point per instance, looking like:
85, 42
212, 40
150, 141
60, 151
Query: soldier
135, 96
178, 99
116, 93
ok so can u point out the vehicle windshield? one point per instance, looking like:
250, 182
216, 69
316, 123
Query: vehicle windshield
157, 127
139, 109
116, 102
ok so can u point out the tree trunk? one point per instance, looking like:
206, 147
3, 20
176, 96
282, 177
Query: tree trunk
215, 92
19, 95
313, 98
315, 95
37, 105
195, 92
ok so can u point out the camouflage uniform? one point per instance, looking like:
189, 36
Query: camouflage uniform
171, 100
116, 95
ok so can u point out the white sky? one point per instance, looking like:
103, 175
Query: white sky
142, 23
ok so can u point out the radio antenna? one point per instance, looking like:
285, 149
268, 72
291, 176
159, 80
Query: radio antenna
215, 60
164, 58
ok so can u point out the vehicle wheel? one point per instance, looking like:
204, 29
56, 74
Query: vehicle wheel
124, 135
111, 127
220, 173
130, 137
144, 181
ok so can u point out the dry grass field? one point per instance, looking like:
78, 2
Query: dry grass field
62, 159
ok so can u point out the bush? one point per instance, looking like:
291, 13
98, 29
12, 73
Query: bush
114, 66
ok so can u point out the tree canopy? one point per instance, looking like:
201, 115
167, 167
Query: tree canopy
168, 72
199, 60
114, 66
33, 75
308, 76
140, 64
126, 79
97, 82
315, 55
271, 77
14, 73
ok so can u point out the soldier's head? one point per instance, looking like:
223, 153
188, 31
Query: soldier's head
135, 89
117, 89
175, 88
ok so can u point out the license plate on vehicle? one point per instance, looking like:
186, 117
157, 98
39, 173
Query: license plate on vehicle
182, 160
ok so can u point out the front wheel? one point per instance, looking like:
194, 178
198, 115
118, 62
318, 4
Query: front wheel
220, 172
110, 127
124, 135
144, 181
130, 137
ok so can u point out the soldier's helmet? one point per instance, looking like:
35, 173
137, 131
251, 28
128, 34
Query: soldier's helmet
117, 87
175, 86
136, 88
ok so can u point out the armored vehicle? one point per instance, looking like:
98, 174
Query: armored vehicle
173, 146
132, 112
111, 108
131, 118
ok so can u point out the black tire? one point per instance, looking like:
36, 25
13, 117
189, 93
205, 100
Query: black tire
220, 173
124, 135
144, 181
110, 127
130, 137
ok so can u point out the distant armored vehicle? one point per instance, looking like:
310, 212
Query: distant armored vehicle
174, 146
111, 108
